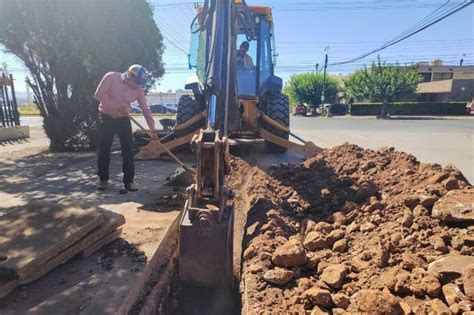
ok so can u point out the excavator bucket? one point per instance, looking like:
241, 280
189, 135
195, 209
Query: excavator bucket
308, 149
205, 248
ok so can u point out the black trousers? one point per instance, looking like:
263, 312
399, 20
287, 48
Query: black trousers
108, 127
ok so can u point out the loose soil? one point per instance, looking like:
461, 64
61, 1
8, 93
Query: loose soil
348, 229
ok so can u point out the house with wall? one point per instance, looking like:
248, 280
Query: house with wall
444, 83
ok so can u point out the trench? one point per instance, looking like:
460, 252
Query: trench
160, 290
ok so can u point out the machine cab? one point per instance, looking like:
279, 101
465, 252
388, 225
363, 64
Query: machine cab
254, 57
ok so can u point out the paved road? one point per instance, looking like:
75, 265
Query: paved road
440, 141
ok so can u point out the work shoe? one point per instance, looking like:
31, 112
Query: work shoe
128, 187
102, 185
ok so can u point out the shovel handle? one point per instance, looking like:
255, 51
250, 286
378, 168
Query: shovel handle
163, 147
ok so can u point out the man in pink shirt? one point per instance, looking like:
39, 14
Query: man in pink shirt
115, 93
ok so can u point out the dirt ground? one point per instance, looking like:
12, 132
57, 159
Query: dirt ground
99, 283
351, 228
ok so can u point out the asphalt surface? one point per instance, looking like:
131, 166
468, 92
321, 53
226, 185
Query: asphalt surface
443, 141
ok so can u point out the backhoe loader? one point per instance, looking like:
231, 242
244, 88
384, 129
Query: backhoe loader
230, 103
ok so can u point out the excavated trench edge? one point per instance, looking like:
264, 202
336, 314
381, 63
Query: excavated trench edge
152, 294
152, 290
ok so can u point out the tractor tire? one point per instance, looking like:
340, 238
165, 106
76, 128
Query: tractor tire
277, 107
187, 109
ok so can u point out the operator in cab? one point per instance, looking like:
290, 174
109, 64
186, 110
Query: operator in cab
244, 61
115, 93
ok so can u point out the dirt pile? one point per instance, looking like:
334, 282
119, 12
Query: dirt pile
354, 230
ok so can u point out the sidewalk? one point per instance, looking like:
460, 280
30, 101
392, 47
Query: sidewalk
83, 285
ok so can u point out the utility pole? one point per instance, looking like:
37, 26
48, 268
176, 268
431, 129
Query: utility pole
324, 81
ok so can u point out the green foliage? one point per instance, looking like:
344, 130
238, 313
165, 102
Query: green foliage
403, 108
68, 46
307, 88
382, 82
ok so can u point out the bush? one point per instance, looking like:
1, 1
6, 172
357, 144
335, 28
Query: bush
307, 88
402, 108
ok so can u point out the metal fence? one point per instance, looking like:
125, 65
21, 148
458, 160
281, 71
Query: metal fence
9, 115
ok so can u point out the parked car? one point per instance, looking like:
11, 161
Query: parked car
300, 110
163, 108
171, 108
136, 109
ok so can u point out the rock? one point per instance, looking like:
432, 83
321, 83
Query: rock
457, 242
380, 255
353, 227
341, 300
407, 219
438, 178
377, 302
307, 226
450, 183
315, 240
319, 311
405, 308
431, 285
255, 268
334, 236
339, 218
468, 280
340, 246
396, 237
249, 252
411, 202
367, 165
438, 307
367, 227
420, 211
323, 227
290, 254
403, 282
278, 276
366, 190
428, 201
439, 245
452, 294
334, 275
455, 206
411, 261
451, 265
318, 296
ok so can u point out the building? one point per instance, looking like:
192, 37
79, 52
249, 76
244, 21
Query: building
444, 83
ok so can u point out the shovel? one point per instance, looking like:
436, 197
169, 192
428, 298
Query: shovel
160, 145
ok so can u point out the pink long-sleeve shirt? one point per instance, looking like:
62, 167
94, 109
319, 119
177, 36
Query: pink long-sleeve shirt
116, 95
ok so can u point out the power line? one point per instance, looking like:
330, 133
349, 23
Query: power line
393, 42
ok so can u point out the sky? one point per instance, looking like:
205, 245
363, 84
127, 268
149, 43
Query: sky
304, 28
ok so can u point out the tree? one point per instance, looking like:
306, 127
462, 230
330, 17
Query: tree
382, 82
307, 88
68, 46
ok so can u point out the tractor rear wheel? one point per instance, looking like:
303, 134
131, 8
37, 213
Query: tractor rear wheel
277, 108
187, 109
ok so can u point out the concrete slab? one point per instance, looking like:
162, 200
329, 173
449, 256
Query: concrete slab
33, 234
14, 133
7, 286
100, 243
